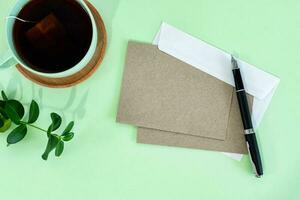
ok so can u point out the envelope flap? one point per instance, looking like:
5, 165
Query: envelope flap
213, 61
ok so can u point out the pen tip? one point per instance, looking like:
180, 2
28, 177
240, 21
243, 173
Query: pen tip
233, 62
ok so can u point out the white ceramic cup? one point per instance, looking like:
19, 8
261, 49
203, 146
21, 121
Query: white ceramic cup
11, 57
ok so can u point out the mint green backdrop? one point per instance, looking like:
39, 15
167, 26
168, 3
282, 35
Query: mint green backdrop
105, 162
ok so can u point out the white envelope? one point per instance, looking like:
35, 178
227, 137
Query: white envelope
217, 63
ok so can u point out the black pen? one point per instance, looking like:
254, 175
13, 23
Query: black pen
246, 118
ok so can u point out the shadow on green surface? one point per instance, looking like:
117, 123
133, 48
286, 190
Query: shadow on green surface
107, 10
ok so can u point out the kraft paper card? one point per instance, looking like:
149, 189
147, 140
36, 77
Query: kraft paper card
234, 142
161, 92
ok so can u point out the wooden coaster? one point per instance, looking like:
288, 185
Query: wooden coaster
86, 72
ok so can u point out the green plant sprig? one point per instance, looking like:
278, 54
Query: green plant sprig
12, 111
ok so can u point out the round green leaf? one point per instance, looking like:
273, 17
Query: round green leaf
4, 123
34, 112
1, 122
17, 134
68, 136
59, 148
3, 113
2, 104
6, 126
56, 121
15, 110
69, 128
51, 145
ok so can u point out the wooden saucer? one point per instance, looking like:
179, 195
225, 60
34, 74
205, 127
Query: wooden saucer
86, 72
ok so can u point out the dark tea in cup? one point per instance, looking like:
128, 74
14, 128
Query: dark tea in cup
57, 37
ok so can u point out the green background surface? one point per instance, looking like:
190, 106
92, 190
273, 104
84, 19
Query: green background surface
105, 162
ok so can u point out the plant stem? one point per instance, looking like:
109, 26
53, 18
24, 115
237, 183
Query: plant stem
25, 123
37, 127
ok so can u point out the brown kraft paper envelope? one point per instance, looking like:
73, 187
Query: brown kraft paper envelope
234, 142
161, 92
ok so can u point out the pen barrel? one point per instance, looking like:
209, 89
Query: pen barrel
244, 109
247, 122
254, 153
238, 79
242, 99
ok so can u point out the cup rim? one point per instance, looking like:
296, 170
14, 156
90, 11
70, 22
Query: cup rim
76, 68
